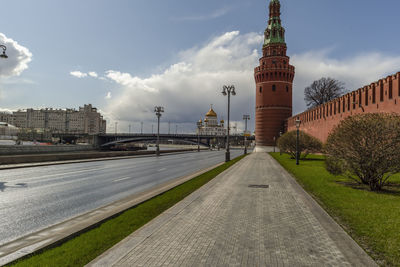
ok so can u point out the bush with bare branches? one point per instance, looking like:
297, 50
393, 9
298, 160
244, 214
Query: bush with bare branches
307, 144
365, 148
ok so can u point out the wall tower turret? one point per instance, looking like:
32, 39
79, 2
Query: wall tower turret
274, 79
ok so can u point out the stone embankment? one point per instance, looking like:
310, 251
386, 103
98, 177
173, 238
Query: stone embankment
34, 154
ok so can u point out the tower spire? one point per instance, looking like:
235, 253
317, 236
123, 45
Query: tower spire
274, 33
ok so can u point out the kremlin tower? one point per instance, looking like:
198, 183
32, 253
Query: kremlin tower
274, 80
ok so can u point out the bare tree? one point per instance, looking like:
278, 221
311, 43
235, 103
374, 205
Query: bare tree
322, 91
366, 148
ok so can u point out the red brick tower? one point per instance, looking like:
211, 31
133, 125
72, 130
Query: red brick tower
274, 79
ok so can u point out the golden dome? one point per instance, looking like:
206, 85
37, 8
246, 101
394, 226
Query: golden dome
211, 113
222, 121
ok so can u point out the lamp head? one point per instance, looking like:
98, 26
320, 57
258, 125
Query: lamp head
4, 51
298, 122
224, 90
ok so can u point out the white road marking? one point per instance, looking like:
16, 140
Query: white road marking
163, 169
121, 179
66, 173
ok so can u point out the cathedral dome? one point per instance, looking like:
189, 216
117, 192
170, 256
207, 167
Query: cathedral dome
211, 113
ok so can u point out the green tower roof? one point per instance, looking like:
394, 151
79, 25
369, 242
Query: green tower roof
275, 33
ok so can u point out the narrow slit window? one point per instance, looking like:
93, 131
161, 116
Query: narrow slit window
373, 94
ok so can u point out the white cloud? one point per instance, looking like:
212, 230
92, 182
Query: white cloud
188, 87
78, 74
18, 57
92, 74
108, 96
355, 71
6, 110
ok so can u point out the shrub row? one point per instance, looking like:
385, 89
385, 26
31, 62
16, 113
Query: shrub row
364, 147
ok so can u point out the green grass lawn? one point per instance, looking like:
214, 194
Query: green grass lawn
87, 246
372, 219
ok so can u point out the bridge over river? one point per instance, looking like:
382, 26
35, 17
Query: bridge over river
105, 140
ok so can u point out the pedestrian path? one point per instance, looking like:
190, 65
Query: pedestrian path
253, 214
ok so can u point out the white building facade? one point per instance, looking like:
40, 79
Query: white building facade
210, 125
86, 120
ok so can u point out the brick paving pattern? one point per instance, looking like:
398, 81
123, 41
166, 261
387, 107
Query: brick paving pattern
228, 223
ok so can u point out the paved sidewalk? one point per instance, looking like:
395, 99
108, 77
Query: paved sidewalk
228, 223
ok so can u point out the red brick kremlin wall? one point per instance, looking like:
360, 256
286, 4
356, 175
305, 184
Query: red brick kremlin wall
380, 96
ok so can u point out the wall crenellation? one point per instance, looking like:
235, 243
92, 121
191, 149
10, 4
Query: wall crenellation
379, 96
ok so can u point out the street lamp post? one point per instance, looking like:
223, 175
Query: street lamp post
274, 143
199, 124
3, 55
246, 118
228, 90
158, 111
298, 122
280, 134
141, 127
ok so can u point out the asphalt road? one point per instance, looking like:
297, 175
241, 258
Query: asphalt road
32, 199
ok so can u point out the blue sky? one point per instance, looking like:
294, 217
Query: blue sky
179, 53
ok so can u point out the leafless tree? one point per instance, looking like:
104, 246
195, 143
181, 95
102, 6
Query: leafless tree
366, 148
322, 91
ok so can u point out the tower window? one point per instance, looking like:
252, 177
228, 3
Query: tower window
273, 87
287, 88
260, 89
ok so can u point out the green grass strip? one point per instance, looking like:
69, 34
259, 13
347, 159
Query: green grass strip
372, 219
87, 246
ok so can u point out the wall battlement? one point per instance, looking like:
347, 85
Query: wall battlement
381, 96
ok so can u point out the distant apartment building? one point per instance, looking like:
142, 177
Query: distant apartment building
86, 120
6, 117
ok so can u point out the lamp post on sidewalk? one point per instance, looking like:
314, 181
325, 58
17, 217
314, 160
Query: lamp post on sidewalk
158, 111
199, 124
298, 122
228, 90
246, 118
3, 55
